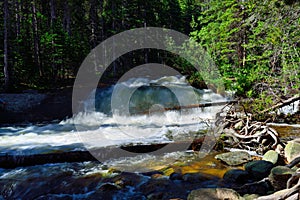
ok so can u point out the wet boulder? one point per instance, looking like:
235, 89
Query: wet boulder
259, 169
236, 176
234, 158
279, 176
198, 177
292, 150
214, 194
271, 156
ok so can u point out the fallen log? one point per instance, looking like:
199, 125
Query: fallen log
282, 104
201, 105
10, 161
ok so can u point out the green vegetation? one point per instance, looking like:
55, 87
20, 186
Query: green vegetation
255, 44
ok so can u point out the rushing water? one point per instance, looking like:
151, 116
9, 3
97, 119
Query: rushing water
107, 121
101, 127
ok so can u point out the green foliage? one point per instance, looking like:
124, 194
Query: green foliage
253, 42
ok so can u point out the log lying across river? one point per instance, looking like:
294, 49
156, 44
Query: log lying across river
201, 105
10, 161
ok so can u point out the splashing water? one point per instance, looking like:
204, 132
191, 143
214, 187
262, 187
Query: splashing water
100, 125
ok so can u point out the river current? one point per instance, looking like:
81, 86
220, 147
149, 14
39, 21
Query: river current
106, 121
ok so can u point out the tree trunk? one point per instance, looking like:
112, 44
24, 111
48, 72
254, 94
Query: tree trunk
52, 25
18, 18
93, 23
37, 60
111, 152
6, 73
67, 18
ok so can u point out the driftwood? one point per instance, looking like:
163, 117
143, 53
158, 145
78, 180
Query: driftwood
241, 131
103, 154
294, 162
281, 104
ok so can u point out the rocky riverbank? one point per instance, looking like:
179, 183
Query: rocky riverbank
32, 106
229, 175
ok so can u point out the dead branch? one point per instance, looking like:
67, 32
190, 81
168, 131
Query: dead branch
281, 104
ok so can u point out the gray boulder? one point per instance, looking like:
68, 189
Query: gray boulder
292, 150
234, 158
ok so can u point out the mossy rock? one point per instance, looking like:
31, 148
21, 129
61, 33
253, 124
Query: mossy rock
234, 158
271, 156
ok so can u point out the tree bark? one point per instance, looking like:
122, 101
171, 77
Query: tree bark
6, 73
52, 25
67, 18
93, 23
18, 18
37, 60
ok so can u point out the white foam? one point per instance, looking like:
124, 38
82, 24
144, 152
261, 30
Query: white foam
96, 129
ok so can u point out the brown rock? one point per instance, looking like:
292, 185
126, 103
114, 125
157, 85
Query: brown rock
214, 194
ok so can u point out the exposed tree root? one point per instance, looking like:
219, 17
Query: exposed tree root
240, 131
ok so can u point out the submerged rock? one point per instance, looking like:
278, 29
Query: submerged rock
214, 194
198, 177
259, 169
292, 150
176, 176
234, 158
271, 156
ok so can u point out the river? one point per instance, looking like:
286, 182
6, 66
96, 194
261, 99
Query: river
107, 122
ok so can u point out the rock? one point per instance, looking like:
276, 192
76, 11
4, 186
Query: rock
214, 194
109, 187
260, 188
271, 156
176, 176
127, 179
250, 196
197, 177
236, 176
234, 158
279, 176
155, 185
157, 195
292, 150
259, 169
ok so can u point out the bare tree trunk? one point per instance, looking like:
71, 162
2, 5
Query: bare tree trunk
93, 21
67, 18
37, 60
6, 73
18, 18
52, 24
114, 28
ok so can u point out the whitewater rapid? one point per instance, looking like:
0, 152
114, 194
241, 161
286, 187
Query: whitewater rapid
99, 126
